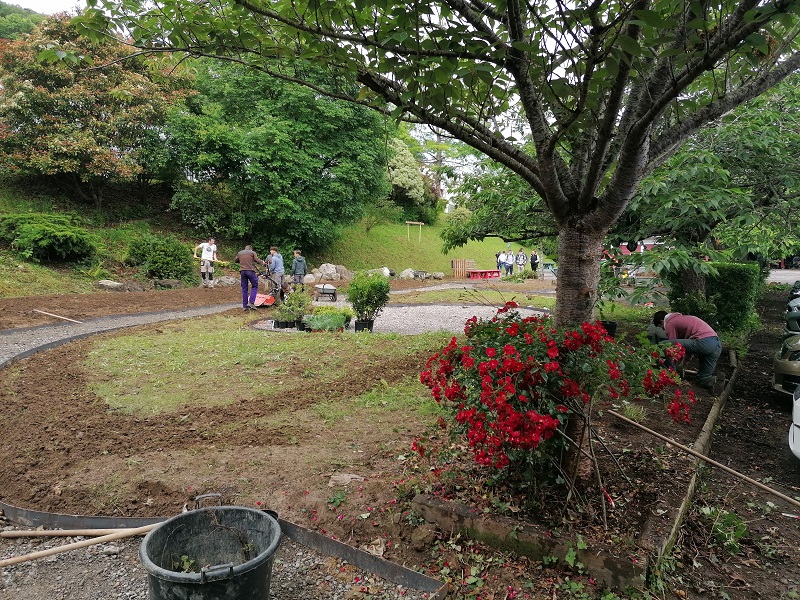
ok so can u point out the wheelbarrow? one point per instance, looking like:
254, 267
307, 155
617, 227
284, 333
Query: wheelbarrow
325, 289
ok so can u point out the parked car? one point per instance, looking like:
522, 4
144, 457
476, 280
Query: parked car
786, 366
794, 429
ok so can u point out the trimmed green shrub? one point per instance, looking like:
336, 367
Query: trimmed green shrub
368, 293
730, 298
162, 257
47, 238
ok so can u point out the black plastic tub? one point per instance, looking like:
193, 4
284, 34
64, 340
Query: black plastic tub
214, 553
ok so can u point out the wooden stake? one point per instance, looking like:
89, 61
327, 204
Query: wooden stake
710, 461
126, 533
56, 316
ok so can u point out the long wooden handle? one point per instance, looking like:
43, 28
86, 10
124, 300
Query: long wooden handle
705, 458
59, 532
75, 545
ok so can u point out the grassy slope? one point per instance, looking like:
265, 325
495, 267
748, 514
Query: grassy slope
401, 247
398, 247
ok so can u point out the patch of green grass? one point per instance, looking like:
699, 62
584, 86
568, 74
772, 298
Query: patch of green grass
189, 362
330, 411
400, 247
19, 278
406, 394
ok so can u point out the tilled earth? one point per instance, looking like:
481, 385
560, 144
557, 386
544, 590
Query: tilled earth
751, 438
65, 424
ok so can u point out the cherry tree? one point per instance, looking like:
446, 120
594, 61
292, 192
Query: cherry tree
582, 99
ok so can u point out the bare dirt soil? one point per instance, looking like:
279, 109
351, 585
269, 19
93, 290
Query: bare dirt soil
62, 450
751, 438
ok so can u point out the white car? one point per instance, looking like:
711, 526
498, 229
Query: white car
794, 429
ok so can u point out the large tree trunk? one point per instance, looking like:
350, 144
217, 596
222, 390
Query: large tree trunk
579, 255
693, 282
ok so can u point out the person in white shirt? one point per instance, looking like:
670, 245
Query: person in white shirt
207, 258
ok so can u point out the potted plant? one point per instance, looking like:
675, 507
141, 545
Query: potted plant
344, 310
368, 294
326, 321
284, 318
296, 305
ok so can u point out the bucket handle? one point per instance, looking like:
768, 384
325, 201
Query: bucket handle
211, 574
197, 499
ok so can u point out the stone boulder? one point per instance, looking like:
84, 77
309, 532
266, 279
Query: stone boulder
406, 274
385, 271
107, 284
168, 284
437, 275
226, 281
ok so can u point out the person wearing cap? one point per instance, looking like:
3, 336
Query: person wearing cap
697, 337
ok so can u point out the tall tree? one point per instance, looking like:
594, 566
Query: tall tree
606, 89
83, 125
736, 180
272, 161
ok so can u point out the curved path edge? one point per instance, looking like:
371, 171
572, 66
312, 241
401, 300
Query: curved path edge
16, 344
390, 571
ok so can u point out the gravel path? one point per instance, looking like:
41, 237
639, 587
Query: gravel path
113, 571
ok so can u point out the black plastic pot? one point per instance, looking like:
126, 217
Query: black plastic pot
301, 326
364, 325
215, 553
611, 327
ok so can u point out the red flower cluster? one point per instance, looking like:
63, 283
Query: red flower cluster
517, 380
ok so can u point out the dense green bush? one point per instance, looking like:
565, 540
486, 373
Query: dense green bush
730, 297
369, 294
162, 257
47, 237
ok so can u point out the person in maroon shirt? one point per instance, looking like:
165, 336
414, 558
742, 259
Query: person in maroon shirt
697, 337
247, 260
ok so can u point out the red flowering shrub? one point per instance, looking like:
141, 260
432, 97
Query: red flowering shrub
514, 383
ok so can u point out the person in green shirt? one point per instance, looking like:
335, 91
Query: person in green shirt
299, 267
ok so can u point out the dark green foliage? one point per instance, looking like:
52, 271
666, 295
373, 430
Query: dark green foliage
369, 294
46, 237
695, 303
272, 162
162, 257
729, 302
15, 21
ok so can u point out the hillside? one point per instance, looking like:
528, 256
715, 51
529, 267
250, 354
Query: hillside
396, 246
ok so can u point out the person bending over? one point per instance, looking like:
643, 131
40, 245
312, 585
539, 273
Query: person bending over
697, 337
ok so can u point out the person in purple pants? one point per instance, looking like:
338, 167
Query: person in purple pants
247, 260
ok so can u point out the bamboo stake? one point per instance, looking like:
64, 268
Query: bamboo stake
59, 532
56, 316
75, 545
710, 461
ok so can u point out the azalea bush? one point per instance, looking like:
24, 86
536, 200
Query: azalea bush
521, 391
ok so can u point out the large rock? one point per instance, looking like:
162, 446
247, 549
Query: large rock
438, 275
107, 284
406, 274
385, 271
310, 278
327, 271
226, 281
168, 284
